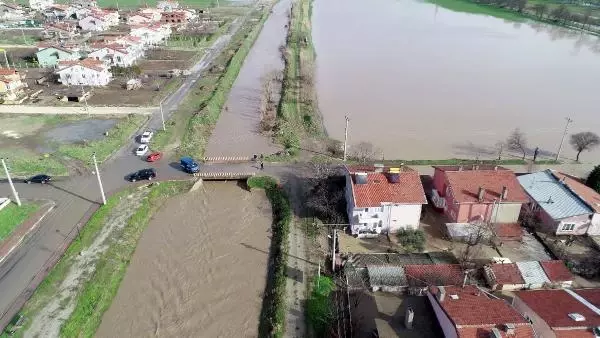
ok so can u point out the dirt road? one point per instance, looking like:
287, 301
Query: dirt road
199, 268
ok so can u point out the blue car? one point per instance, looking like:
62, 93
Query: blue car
189, 165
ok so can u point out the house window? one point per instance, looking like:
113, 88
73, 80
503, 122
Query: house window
534, 207
567, 227
381, 209
366, 209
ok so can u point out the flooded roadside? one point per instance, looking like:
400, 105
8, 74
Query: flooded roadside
238, 130
199, 268
423, 82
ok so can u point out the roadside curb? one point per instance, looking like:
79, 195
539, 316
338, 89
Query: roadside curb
23, 231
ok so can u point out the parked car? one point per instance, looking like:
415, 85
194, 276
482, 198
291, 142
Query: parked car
43, 179
146, 136
155, 156
144, 174
141, 150
189, 165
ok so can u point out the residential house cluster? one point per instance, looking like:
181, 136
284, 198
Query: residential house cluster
527, 275
479, 201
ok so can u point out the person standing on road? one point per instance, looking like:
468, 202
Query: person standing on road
535, 153
262, 165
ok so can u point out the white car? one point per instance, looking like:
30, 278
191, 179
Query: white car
141, 150
146, 136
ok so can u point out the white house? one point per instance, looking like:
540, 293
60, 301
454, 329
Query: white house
151, 34
40, 4
10, 11
99, 20
88, 72
382, 200
138, 19
115, 55
90, 4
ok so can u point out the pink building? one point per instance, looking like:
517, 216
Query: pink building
479, 194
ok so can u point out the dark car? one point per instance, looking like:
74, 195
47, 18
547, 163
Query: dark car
43, 179
144, 174
189, 165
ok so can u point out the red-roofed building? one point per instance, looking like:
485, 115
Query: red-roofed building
434, 274
557, 273
561, 312
479, 194
588, 195
469, 313
382, 200
503, 276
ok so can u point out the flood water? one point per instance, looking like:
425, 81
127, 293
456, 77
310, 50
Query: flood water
423, 82
199, 269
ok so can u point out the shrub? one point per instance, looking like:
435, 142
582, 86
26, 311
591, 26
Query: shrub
319, 307
593, 180
412, 240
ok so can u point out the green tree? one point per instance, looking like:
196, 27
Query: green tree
412, 240
593, 180
319, 307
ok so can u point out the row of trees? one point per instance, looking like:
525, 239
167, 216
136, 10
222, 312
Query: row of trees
584, 141
559, 14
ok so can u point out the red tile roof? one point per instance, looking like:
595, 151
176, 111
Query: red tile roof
591, 295
523, 331
7, 71
87, 63
582, 333
556, 271
509, 231
474, 314
587, 194
379, 189
465, 184
507, 273
554, 306
434, 274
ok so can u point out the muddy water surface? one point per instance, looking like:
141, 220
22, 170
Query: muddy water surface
421, 81
199, 269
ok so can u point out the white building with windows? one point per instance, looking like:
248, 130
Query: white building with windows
151, 35
116, 55
383, 200
87, 72
40, 4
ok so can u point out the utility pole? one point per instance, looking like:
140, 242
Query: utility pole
162, 116
333, 253
346, 137
10, 182
569, 120
99, 180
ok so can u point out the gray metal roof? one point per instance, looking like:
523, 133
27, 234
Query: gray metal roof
386, 276
552, 195
532, 272
388, 259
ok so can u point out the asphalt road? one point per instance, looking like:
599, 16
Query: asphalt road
76, 195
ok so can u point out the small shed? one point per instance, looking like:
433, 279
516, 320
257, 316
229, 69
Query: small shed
558, 273
533, 274
387, 278
73, 94
503, 276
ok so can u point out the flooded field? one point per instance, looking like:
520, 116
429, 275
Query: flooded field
199, 268
423, 82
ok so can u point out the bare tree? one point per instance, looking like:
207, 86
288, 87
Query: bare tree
517, 142
364, 151
586, 17
540, 9
586, 140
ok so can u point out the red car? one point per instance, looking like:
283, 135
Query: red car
155, 156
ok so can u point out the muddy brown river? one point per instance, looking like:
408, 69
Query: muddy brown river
423, 82
199, 269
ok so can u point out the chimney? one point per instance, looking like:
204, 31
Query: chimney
460, 168
441, 294
409, 318
480, 194
504, 193
378, 167
510, 329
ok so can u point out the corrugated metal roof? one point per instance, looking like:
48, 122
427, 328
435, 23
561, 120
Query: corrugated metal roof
386, 276
552, 196
532, 272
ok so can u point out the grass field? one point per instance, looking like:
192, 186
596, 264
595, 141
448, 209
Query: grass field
467, 6
13, 215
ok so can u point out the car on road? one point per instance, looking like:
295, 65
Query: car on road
141, 150
153, 157
189, 165
144, 174
146, 136
43, 179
